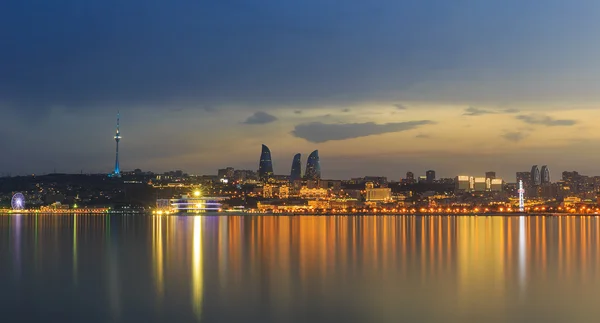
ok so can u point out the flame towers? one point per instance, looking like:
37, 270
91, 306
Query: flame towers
265, 166
296, 172
313, 166
117, 171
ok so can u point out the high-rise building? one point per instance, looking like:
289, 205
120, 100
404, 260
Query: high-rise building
535, 176
430, 176
117, 171
496, 185
410, 177
490, 175
227, 173
545, 175
313, 166
265, 166
463, 183
480, 184
525, 177
296, 172
573, 180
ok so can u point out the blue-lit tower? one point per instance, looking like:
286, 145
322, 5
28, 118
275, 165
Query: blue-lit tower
117, 171
265, 166
296, 172
313, 166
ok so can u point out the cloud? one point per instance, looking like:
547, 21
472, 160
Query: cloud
318, 132
514, 136
474, 112
346, 110
471, 111
400, 106
260, 118
297, 111
511, 110
545, 120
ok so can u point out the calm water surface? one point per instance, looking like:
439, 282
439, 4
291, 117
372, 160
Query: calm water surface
299, 269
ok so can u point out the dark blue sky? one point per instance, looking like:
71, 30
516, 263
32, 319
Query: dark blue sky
183, 71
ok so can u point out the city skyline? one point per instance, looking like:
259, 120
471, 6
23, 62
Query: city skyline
378, 88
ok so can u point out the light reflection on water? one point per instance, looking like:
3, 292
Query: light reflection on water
101, 268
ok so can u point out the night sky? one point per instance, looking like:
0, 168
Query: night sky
379, 87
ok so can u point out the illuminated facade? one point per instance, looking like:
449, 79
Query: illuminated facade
479, 184
378, 194
496, 185
187, 204
117, 171
463, 183
313, 166
296, 172
265, 166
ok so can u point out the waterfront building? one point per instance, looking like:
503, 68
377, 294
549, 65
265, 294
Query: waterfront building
313, 166
189, 204
265, 166
309, 193
378, 194
490, 175
296, 172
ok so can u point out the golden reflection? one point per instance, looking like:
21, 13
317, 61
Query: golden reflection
157, 257
459, 267
74, 248
197, 270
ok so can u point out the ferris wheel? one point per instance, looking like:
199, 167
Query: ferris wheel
18, 201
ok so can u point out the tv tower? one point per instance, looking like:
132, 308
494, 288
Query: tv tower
117, 172
521, 197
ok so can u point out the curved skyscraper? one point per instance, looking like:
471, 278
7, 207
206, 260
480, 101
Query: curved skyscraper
265, 166
535, 176
313, 166
545, 175
296, 172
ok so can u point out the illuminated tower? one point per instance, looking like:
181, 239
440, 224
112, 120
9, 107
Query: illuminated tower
265, 166
313, 166
296, 172
117, 171
521, 197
